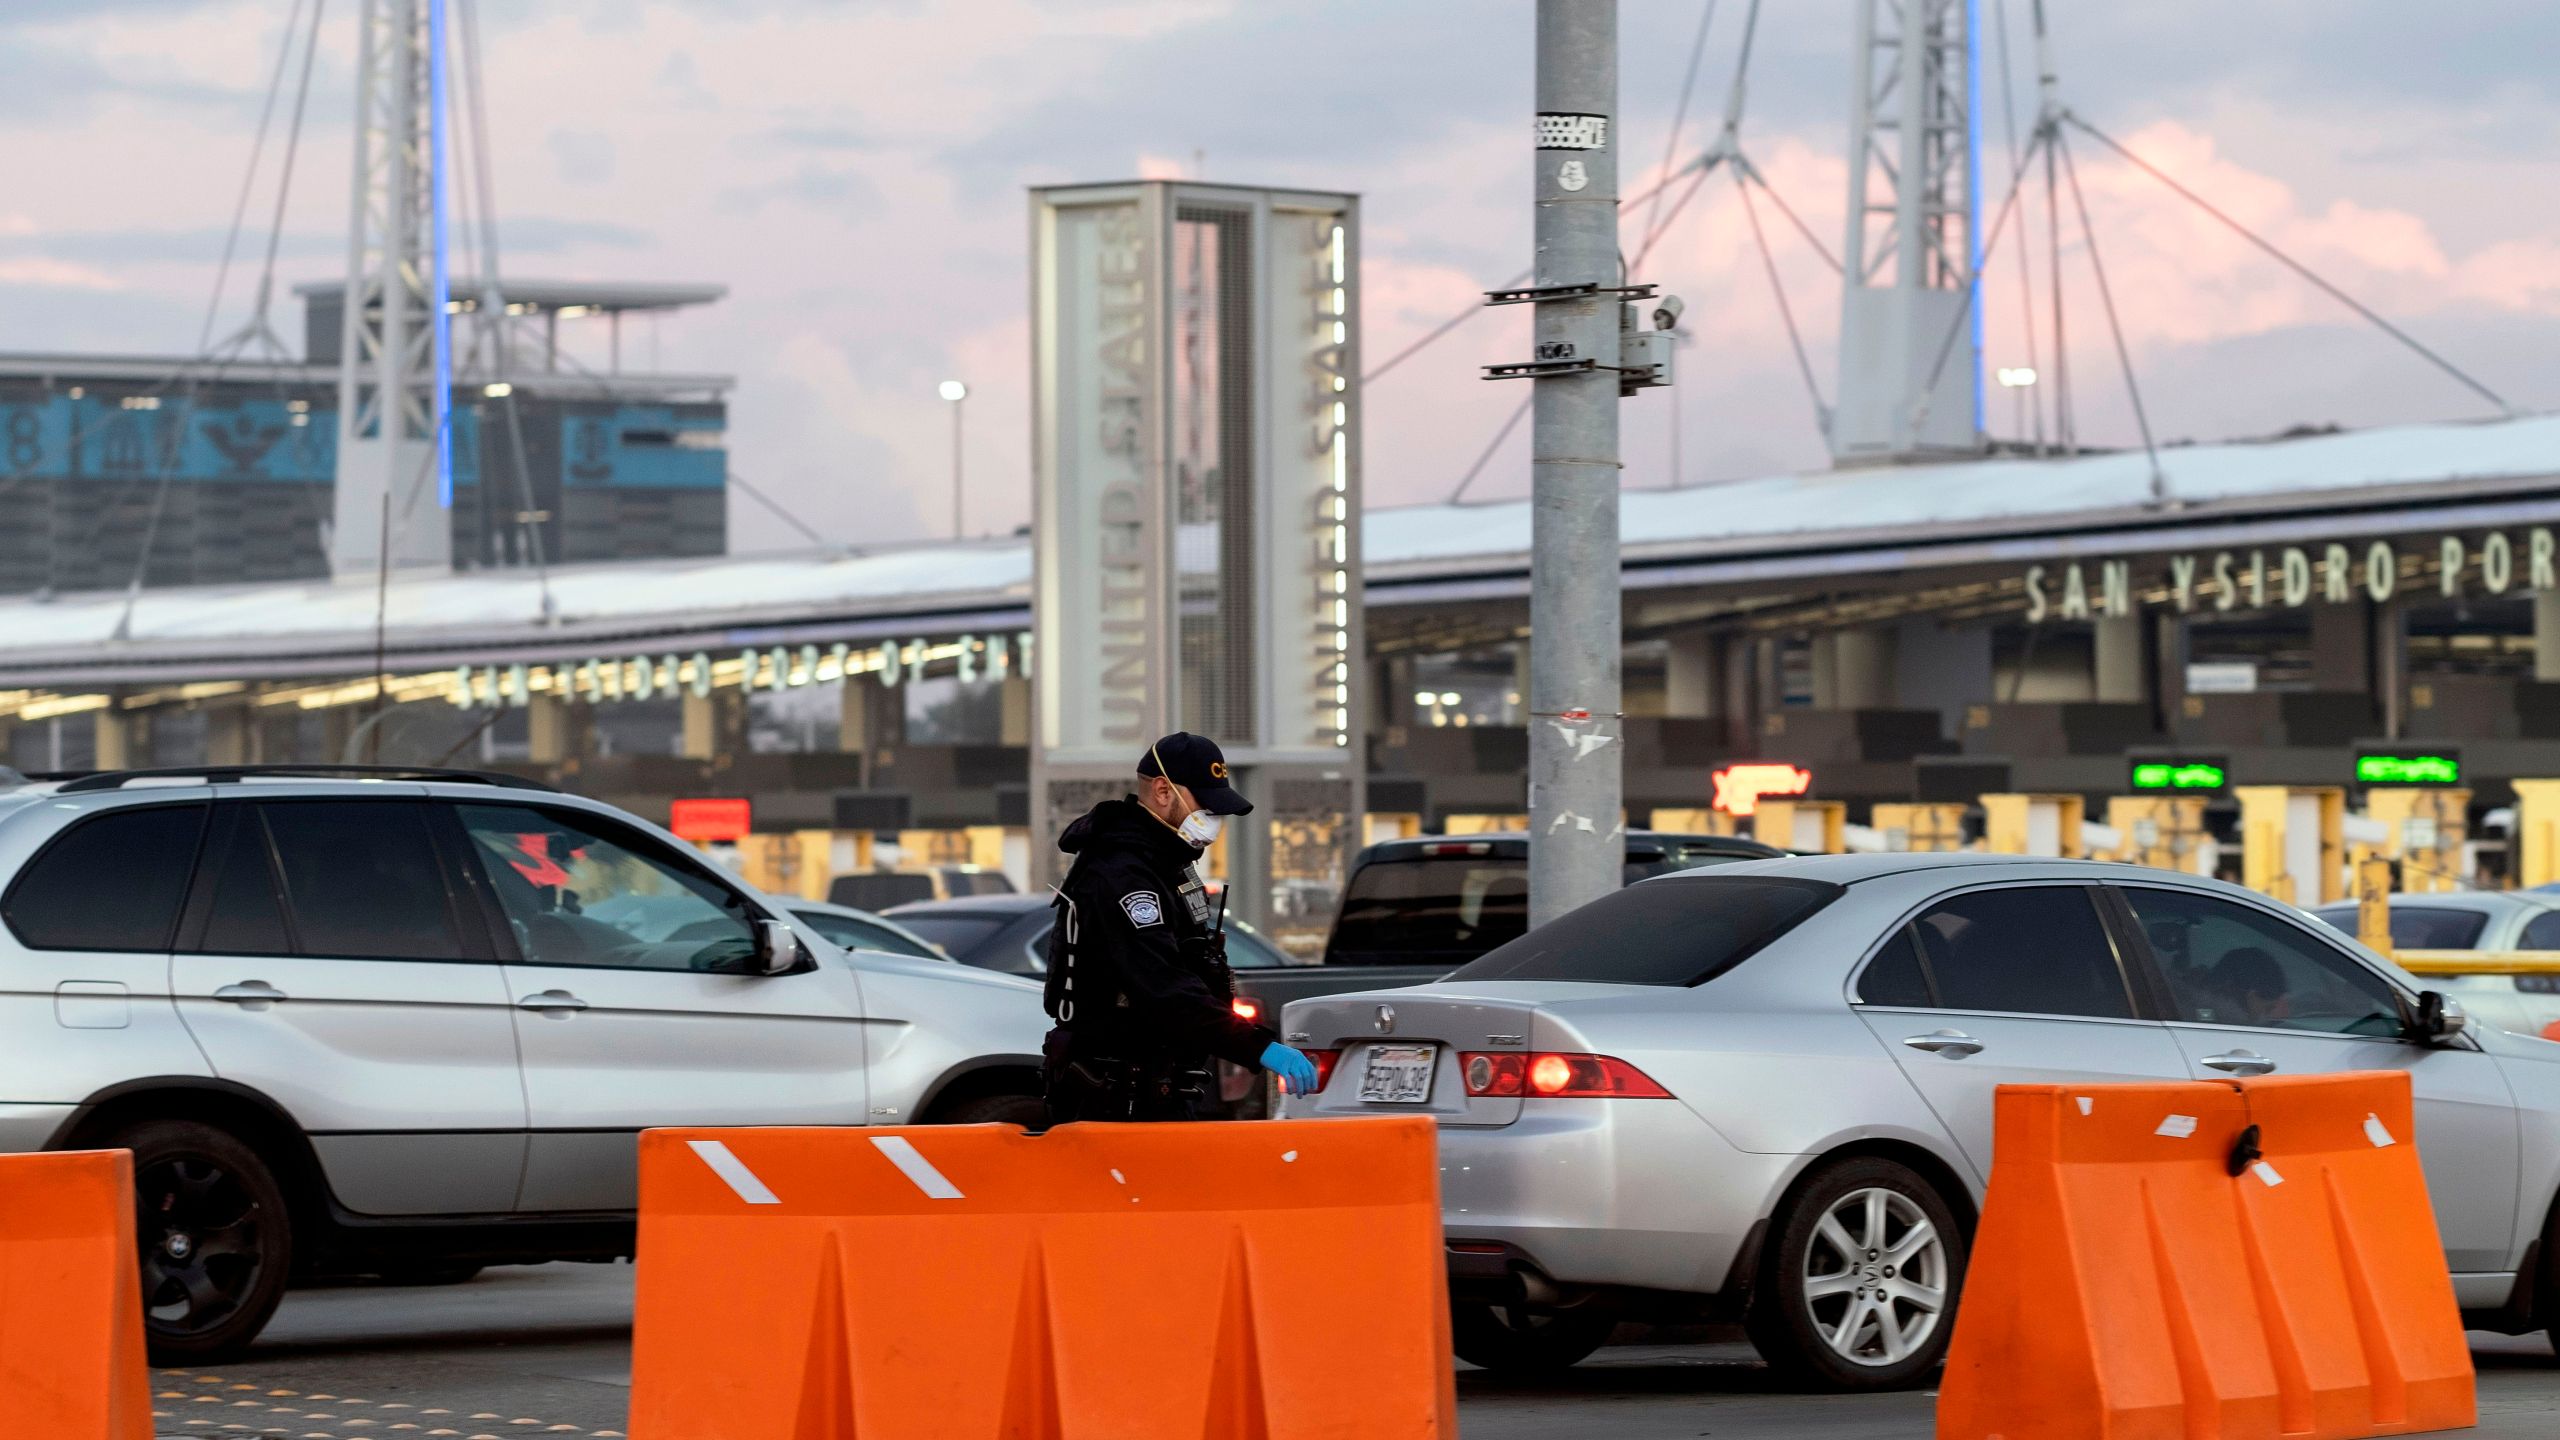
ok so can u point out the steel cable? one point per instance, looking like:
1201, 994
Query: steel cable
1769, 263
2106, 297
2296, 266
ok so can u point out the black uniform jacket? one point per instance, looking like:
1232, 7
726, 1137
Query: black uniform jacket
1142, 990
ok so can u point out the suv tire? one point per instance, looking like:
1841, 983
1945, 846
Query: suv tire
1515, 1341
1859, 1288
1027, 1111
215, 1235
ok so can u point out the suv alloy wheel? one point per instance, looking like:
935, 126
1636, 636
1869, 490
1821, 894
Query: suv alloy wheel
216, 1241
1859, 1287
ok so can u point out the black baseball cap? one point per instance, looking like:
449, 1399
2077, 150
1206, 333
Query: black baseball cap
1195, 763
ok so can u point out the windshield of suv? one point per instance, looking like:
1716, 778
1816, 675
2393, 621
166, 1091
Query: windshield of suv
958, 932
1673, 932
854, 934
2418, 927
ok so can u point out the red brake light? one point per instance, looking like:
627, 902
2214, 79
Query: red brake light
1553, 1076
1493, 1074
1459, 847
1246, 1007
2551, 1031
1324, 1062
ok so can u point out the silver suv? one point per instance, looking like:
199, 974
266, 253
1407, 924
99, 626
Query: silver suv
410, 1023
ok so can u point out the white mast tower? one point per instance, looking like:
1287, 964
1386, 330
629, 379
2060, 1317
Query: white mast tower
394, 391
1910, 345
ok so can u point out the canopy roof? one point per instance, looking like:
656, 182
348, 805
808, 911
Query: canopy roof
1870, 521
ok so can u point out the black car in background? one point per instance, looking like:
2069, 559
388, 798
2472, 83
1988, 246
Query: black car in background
1445, 899
1011, 933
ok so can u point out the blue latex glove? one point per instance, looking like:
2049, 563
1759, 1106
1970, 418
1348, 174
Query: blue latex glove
1297, 1073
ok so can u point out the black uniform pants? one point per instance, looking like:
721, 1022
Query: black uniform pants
1104, 1089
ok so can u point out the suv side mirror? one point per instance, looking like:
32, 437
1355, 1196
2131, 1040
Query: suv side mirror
778, 949
2437, 1018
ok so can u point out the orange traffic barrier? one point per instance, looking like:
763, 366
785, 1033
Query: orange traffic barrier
1120, 1282
2206, 1261
71, 1358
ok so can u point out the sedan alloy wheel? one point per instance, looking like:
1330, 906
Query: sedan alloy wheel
1876, 1277
1860, 1279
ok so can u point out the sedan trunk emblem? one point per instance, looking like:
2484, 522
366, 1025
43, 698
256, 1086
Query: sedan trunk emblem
1386, 1019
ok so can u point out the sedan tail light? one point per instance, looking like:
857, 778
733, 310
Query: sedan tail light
1324, 1062
1552, 1075
1246, 1007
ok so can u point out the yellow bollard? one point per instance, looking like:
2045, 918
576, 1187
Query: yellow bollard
1819, 826
2373, 903
2294, 842
2034, 825
2537, 860
1920, 828
2165, 831
2428, 826
1695, 820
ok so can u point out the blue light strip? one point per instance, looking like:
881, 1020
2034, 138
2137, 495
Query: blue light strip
440, 289
1973, 189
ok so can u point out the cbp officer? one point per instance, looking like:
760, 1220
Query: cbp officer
1138, 979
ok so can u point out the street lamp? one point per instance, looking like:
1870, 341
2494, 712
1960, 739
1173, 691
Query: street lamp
2016, 379
955, 392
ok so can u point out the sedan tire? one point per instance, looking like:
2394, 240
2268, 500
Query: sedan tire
215, 1238
1514, 1341
1859, 1287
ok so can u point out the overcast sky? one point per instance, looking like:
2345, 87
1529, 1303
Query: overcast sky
854, 173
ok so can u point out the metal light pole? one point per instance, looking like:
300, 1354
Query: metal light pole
2017, 380
955, 392
1577, 845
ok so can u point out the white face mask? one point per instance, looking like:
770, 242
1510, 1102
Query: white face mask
1201, 828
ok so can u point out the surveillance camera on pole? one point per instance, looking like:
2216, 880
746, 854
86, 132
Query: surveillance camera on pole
1586, 339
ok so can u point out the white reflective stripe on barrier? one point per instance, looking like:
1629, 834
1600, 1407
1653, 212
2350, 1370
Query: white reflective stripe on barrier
915, 1167
725, 1164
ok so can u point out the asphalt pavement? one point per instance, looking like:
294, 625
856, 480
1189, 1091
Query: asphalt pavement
546, 1350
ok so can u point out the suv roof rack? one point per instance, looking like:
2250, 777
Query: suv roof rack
234, 774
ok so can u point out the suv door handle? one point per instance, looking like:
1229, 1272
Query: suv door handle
551, 1000
249, 992
1954, 1044
2239, 1062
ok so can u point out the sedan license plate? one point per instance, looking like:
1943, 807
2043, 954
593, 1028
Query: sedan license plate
1399, 1074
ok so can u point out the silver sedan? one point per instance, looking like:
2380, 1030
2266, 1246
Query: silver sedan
2528, 1004
1764, 1092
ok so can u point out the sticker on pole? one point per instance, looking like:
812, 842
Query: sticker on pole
1562, 131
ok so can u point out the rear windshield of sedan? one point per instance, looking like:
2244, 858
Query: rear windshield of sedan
1670, 932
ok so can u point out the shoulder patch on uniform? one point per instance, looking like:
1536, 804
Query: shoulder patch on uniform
1143, 907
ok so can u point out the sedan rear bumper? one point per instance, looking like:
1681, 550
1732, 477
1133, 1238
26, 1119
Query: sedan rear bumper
1634, 1194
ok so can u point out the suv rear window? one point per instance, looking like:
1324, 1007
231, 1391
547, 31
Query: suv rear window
1672, 932
1446, 909
110, 882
